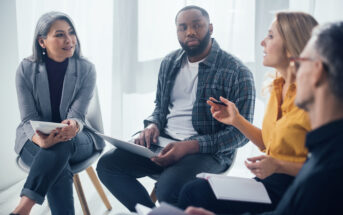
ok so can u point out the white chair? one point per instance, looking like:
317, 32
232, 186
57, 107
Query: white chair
94, 119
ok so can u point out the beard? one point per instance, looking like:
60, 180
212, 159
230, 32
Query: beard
196, 50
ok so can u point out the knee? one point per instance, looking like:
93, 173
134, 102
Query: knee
107, 161
167, 190
102, 164
59, 151
194, 193
101, 167
108, 164
166, 194
55, 156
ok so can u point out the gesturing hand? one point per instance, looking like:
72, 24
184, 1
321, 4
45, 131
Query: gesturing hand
225, 114
151, 132
262, 166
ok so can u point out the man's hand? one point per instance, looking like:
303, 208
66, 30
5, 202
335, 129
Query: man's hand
175, 151
197, 211
262, 166
46, 141
150, 133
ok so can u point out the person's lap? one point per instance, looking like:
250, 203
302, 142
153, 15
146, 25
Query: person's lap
170, 179
199, 193
81, 147
174, 177
50, 172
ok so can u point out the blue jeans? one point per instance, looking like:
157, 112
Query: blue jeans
50, 173
199, 193
118, 170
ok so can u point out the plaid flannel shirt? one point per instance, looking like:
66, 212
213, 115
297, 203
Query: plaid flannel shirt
220, 74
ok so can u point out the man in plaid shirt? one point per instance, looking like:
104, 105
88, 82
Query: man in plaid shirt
186, 79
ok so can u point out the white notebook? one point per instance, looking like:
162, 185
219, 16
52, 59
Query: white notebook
46, 127
236, 188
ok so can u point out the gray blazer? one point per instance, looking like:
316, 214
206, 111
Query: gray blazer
34, 97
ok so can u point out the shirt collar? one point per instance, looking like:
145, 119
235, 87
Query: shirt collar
288, 102
279, 82
322, 134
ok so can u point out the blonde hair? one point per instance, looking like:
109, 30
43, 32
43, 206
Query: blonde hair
295, 29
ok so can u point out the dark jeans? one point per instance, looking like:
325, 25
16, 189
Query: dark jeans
50, 172
199, 193
118, 170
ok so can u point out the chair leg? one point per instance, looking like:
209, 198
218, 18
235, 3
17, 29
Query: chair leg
81, 195
153, 195
98, 187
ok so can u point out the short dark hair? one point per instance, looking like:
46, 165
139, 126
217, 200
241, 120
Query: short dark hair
42, 29
329, 45
190, 7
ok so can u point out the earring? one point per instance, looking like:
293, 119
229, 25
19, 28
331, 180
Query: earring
43, 52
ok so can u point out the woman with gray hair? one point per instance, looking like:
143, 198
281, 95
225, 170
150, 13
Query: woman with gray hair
54, 84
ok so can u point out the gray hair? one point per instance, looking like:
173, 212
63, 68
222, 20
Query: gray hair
329, 46
42, 29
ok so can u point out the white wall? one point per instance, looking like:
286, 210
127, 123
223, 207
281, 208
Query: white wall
9, 113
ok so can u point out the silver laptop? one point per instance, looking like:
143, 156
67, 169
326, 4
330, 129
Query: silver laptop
130, 146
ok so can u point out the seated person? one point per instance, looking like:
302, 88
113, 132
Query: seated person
199, 70
318, 188
54, 84
284, 126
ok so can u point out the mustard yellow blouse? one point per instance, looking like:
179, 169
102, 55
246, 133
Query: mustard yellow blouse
285, 126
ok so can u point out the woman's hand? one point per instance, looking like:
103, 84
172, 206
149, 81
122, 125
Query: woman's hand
46, 141
226, 114
57, 135
71, 130
262, 166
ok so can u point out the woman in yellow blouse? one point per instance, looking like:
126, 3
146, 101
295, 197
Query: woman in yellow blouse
284, 127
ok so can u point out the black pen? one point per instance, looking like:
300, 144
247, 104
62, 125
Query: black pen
216, 102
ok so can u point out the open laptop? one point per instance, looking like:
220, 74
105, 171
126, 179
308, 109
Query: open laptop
130, 146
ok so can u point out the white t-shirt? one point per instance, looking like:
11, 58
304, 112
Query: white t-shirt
179, 120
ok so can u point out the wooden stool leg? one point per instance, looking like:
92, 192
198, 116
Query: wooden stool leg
81, 195
98, 187
153, 195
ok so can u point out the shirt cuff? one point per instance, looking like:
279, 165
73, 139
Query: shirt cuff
202, 141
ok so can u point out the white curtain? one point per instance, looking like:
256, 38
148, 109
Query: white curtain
233, 21
323, 10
